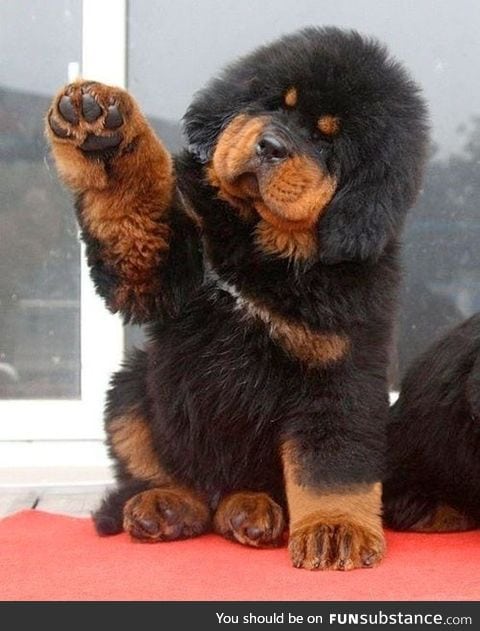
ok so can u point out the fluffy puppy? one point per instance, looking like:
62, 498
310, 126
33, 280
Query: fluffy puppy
265, 260
434, 438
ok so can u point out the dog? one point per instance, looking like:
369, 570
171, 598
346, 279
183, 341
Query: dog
433, 483
264, 259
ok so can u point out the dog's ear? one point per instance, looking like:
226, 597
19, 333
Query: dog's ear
202, 124
367, 212
473, 388
210, 111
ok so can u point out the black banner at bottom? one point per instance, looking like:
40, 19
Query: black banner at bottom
228, 616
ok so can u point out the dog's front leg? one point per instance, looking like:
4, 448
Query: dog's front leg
332, 525
142, 248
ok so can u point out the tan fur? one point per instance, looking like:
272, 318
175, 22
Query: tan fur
74, 169
289, 196
235, 147
339, 528
291, 97
445, 519
299, 245
360, 503
134, 238
125, 208
295, 193
131, 441
329, 124
313, 348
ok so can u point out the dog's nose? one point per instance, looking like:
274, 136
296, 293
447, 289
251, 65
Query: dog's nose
271, 148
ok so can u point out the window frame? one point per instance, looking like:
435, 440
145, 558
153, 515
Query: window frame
104, 58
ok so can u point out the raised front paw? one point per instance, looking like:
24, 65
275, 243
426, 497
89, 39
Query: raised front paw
253, 519
165, 515
92, 116
317, 544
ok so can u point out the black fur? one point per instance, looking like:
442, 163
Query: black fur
219, 393
434, 432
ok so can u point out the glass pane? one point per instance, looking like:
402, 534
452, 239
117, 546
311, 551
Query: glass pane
39, 250
175, 47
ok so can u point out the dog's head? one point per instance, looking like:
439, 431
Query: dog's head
319, 139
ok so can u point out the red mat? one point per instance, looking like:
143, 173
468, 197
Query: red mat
52, 557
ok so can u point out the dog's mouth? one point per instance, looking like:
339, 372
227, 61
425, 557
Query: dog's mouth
255, 166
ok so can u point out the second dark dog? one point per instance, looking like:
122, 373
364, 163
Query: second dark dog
434, 438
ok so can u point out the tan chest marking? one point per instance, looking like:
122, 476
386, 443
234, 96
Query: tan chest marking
313, 348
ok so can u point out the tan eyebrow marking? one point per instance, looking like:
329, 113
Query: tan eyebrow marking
291, 97
329, 124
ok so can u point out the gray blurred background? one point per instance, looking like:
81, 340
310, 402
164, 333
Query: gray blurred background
173, 48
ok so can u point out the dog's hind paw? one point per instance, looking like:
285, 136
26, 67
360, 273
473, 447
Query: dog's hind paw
165, 514
253, 519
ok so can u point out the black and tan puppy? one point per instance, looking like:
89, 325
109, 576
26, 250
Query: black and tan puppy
434, 438
264, 259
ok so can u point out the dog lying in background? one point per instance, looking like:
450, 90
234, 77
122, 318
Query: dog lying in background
434, 438
265, 260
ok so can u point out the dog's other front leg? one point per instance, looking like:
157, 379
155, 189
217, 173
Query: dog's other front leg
334, 494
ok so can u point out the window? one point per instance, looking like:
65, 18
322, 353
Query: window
58, 345
39, 251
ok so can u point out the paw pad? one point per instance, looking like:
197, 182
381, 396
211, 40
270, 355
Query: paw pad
67, 110
85, 114
90, 108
